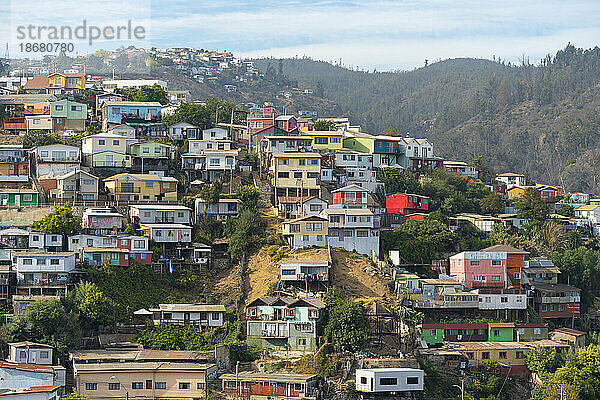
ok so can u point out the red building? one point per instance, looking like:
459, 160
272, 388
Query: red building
404, 203
557, 301
351, 196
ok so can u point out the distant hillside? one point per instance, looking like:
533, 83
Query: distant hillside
541, 119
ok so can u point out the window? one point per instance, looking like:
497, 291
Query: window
363, 380
335, 140
544, 307
470, 355
412, 380
137, 385
283, 161
283, 174
312, 175
362, 233
91, 386
101, 142
44, 354
297, 174
319, 238
184, 385
230, 384
502, 355
496, 332
149, 185
58, 108
114, 386
75, 108
40, 261
157, 150
314, 161
320, 140
537, 331
504, 299
294, 228
485, 355
520, 355
301, 162
315, 207
301, 342
495, 278
146, 150
388, 381
200, 386
561, 307
474, 263
54, 261
148, 384
44, 153
27, 261
305, 238
215, 316
496, 263
115, 142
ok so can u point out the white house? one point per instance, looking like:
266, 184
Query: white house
511, 179
208, 315
354, 229
590, 212
45, 241
30, 353
221, 211
351, 159
42, 267
161, 214
504, 301
215, 134
183, 130
197, 146
168, 233
53, 153
290, 207
381, 380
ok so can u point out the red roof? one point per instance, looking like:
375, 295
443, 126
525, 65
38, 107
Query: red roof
26, 367
532, 325
455, 326
501, 325
570, 331
37, 82
69, 75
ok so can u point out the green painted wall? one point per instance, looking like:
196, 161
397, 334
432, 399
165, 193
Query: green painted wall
360, 144
505, 335
437, 338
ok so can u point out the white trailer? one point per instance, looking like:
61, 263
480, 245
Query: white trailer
382, 380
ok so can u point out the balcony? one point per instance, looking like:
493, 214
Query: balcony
111, 164
128, 191
37, 111
15, 123
275, 333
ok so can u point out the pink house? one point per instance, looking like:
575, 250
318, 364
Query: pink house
101, 221
480, 269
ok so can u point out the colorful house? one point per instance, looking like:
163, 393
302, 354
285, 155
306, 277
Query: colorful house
68, 115
351, 196
57, 83
145, 187
101, 221
284, 323
325, 141
296, 174
400, 205
18, 197
133, 113
500, 331
494, 267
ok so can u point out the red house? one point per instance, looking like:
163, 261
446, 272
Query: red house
351, 196
404, 203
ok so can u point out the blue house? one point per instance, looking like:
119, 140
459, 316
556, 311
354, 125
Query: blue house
145, 117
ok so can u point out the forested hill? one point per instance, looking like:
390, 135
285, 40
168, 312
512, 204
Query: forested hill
541, 118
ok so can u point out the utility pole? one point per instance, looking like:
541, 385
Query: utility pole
462, 388
562, 387
237, 383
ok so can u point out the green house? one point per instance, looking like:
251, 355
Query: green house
432, 334
152, 149
501, 331
406, 283
68, 109
19, 198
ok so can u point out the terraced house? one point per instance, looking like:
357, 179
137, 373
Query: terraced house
284, 323
141, 187
151, 156
296, 174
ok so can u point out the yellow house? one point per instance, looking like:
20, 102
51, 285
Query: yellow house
141, 187
296, 174
516, 192
325, 141
66, 83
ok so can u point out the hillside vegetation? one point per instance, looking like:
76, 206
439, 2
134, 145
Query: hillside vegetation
541, 118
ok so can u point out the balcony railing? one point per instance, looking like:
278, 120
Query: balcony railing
113, 164
36, 111
128, 191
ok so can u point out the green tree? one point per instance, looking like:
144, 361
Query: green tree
94, 307
51, 323
543, 360
75, 396
346, 322
212, 193
145, 93
567, 210
245, 232
532, 207
419, 241
59, 221
491, 204
37, 137
324, 125
248, 196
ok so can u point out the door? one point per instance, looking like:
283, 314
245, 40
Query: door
108, 160
372, 384
18, 199
186, 317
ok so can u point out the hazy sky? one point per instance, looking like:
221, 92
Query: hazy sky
385, 35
